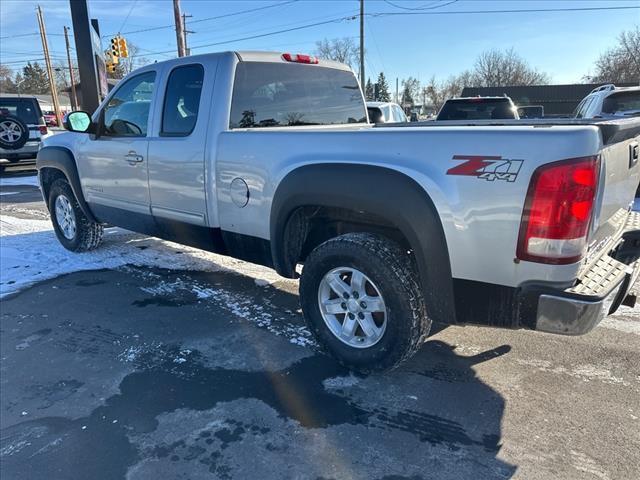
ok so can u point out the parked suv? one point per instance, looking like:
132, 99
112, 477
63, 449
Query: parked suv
22, 127
609, 101
478, 108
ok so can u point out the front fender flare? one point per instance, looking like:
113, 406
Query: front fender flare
61, 158
382, 191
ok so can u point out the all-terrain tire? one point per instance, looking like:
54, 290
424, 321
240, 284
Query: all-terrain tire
88, 234
390, 268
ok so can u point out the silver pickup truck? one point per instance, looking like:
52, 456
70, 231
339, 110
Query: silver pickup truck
270, 158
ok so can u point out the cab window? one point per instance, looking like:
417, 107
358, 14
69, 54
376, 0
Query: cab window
182, 100
274, 94
127, 113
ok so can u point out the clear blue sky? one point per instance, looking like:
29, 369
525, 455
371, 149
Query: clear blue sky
563, 44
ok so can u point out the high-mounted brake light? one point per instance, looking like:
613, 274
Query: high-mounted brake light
299, 58
557, 211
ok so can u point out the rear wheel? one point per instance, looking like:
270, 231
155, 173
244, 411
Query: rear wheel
361, 298
73, 229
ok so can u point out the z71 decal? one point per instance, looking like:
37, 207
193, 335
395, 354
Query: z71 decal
489, 168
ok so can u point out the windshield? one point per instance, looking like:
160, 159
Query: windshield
622, 102
477, 109
277, 94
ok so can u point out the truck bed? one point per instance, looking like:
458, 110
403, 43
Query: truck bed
613, 131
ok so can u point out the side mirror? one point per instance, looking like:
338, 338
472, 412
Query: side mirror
77, 122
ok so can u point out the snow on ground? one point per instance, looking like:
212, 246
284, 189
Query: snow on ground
30, 253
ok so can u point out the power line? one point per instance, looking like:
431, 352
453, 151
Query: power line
24, 61
128, 15
21, 35
527, 10
240, 12
244, 11
270, 28
424, 7
252, 37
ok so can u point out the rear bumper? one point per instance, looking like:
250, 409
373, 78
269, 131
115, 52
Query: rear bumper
599, 291
28, 152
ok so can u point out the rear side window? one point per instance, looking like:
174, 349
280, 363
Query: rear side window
477, 109
277, 95
623, 102
182, 100
25, 109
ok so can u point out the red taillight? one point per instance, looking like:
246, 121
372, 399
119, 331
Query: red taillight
557, 211
43, 129
299, 58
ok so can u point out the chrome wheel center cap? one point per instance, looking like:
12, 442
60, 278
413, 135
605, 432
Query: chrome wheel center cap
353, 306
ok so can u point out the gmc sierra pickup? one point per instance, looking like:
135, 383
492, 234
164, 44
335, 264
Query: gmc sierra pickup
270, 158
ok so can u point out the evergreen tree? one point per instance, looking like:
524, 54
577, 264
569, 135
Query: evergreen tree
34, 79
369, 93
407, 98
383, 89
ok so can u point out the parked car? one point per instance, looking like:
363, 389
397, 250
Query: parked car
385, 112
50, 118
22, 127
609, 101
478, 108
531, 111
270, 158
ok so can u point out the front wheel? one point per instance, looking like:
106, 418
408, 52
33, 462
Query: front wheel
73, 229
361, 298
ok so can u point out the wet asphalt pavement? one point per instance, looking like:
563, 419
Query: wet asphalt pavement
104, 375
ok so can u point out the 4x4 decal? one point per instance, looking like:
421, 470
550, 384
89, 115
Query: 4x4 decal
489, 168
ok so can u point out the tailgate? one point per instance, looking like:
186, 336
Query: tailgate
619, 178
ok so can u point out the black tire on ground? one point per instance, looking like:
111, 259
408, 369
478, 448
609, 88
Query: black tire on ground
88, 234
390, 268
14, 133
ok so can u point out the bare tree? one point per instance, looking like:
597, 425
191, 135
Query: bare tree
495, 68
620, 63
61, 75
342, 50
438, 92
7, 84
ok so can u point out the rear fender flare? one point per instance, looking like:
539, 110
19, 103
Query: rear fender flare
379, 190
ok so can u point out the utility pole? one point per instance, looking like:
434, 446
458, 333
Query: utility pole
47, 59
72, 75
362, 78
187, 51
179, 28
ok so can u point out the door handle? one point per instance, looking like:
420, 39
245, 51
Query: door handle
133, 158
